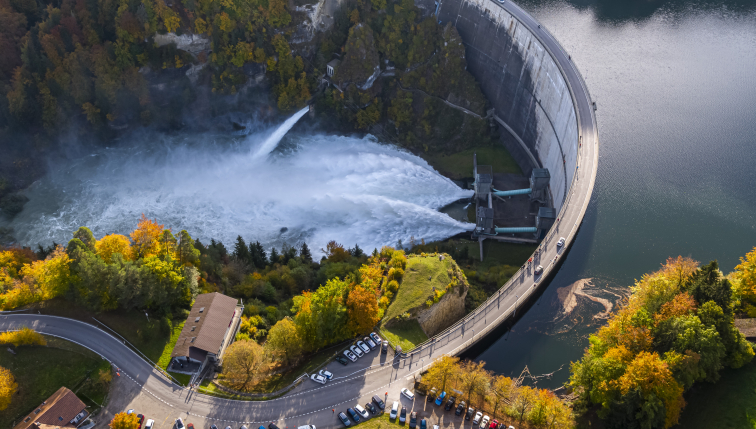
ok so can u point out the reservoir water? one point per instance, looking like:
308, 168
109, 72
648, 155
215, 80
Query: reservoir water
675, 86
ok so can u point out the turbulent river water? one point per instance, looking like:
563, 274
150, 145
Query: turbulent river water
676, 92
308, 187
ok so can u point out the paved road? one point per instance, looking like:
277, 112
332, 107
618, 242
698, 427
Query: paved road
313, 405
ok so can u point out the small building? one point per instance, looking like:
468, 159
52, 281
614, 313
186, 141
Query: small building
61, 410
211, 327
332, 66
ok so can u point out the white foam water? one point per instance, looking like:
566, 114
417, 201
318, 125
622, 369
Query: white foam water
352, 190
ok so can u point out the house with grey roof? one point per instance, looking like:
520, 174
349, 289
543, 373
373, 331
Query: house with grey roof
211, 327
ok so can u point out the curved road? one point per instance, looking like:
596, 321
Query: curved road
310, 403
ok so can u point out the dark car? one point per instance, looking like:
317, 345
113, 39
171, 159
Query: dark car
413, 420
140, 419
450, 403
273, 426
216, 427
342, 360
370, 407
423, 424
344, 419
470, 413
353, 414
432, 394
379, 402
460, 409
403, 415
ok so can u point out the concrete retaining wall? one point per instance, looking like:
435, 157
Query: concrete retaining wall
524, 86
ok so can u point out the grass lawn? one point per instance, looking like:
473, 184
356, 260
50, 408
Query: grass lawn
42, 370
407, 334
416, 288
460, 165
165, 356
183, 379
726, 404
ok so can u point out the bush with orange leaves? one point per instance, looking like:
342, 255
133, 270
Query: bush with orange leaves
674, 330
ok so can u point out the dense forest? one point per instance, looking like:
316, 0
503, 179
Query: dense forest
675, 330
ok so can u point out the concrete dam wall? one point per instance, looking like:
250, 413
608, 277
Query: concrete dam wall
523, 84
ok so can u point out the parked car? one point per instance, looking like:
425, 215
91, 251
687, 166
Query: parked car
191, 426
484, 422
394, 410
240, 427
273, 425
470, 412
477, 418
341, 360
353, 414
318, 378
370, 407
409, 395
384, 347
460, 408
539, 270
325, 373
357, 351
344, 420
140, 419
413, 420
423, 424
306, 427
440, 399
494, 424
363, 346
560, 243
179, 423
260, 427
450, 403
369, 343
350, 355
403, 415
375, 337
362, 412
150, 423
432, 394
379, 402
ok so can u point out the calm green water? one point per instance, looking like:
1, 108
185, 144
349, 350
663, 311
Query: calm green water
675, 84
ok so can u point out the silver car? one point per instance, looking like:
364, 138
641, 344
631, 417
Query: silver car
357, 351
363, 346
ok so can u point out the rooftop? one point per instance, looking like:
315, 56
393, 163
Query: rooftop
57, 411
206, 325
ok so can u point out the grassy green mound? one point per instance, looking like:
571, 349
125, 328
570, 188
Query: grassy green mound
423, 273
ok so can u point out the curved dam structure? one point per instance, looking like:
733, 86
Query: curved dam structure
540, 98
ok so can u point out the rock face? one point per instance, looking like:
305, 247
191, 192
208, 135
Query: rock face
449, 309
192, 43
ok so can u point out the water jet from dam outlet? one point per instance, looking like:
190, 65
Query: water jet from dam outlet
262, 186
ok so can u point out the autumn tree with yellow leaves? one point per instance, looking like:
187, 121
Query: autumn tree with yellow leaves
22, 337
124, 421
8, 387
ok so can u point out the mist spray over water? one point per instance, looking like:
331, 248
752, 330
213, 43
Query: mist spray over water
352, 190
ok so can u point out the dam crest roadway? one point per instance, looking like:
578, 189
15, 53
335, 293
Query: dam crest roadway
571, 142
